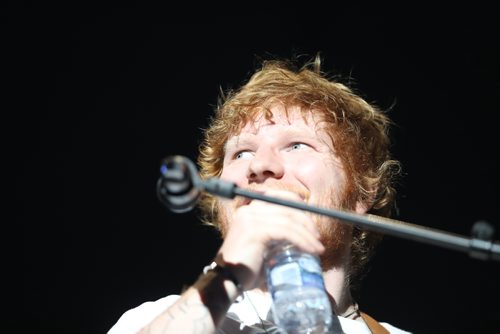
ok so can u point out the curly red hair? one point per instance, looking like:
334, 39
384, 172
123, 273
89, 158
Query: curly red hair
359, 132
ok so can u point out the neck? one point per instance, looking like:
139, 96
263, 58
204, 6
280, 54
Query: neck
337, 286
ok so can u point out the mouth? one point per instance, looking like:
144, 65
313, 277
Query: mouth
244, 201
241, 201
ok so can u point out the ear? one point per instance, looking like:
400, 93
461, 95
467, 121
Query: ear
363, 207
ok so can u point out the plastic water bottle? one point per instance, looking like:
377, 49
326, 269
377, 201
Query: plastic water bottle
300, 301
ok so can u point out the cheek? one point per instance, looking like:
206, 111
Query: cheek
321, 179
318, 175
233, 173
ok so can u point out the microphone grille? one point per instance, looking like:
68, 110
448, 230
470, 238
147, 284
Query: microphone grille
175, 187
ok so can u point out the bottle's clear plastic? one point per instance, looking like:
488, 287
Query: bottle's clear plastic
300, 301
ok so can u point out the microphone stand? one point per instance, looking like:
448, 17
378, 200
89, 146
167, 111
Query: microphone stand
479, 246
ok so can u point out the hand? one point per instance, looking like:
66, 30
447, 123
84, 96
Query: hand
253, 229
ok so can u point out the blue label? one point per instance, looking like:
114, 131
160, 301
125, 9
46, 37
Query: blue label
312, 280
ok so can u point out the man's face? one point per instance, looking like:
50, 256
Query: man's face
289, 153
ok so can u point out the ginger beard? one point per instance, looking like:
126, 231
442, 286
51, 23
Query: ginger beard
334, 235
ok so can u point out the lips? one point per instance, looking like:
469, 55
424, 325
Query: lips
241, 201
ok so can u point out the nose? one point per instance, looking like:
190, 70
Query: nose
265, 164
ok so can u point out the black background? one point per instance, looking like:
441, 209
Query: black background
104, 92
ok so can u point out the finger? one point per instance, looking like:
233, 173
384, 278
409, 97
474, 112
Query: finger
268, 224
297, 234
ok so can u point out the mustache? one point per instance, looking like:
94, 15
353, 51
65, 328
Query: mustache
262, 189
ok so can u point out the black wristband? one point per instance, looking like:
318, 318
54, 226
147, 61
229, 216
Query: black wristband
227, 274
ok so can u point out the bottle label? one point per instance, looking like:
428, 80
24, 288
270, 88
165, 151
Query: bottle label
310, 266
288, 273
304, 273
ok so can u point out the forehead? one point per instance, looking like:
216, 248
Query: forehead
281, 115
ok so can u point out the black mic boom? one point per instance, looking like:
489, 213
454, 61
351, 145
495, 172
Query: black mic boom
177, 187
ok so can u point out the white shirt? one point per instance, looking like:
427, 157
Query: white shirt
246, 316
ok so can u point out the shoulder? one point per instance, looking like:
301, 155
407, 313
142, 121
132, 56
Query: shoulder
380, 327
393, 330
134, 319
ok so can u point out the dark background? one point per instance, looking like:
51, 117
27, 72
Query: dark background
104, 92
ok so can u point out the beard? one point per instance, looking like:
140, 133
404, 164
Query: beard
335, 235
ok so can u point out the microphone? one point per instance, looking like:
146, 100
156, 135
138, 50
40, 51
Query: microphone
180, 186
177, 188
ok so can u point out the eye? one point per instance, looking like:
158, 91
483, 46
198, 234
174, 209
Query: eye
296, 146
242, 154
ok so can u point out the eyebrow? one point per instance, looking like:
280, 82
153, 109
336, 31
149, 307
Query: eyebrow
246, 137
236, 141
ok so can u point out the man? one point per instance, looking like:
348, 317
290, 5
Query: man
291, 133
